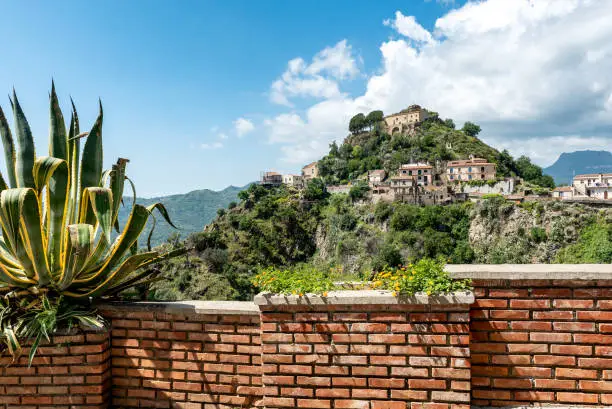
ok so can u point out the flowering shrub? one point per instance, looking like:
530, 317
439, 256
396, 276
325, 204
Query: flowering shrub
427, 275
298, 281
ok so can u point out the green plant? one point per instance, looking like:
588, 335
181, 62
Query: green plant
57, 214
427, 275
297, 281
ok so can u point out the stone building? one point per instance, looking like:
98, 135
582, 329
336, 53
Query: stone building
563, 192
293, 180
596, 185
421, 172
405, 121
310, 171
271, 179
377, 176
470, 169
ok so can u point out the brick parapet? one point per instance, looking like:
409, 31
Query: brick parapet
72, 370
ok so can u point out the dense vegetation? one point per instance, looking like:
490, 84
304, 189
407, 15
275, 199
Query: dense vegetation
342, 237
437, 140
190, 211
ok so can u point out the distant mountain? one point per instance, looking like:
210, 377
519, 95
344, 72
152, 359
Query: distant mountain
579, 162
190, 212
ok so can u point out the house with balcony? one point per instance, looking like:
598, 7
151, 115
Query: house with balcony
595, 185
421, 172
470, 169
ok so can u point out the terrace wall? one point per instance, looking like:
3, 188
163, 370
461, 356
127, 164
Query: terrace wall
533, 335
361, 349
72, 371
540, 334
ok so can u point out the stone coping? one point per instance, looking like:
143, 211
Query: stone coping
531, 271
185, 307
363, 297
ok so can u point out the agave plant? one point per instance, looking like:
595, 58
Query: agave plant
57, 214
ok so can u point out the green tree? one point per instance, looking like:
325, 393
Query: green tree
315, 190
357, 123
471, 129
333, 149
359, 191
374, 118
449, 123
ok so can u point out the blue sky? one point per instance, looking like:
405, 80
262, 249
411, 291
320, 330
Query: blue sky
175, 77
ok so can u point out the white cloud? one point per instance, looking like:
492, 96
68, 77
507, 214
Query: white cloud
212, 145
553, 146
243, 126
222, 135
525, 70
408, 27
319, 79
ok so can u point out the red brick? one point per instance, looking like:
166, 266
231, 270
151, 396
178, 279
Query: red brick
577, 397
530, 304
554, 384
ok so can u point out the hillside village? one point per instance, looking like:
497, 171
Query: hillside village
444, 182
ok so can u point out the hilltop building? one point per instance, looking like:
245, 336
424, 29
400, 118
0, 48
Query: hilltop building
310, 171
377, 176
293, 180
596, 186
470, 169
271, 179
405, 121
421, 172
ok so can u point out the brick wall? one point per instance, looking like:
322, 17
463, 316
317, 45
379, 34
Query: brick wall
177, 357
366, 356
71, 371
544, 341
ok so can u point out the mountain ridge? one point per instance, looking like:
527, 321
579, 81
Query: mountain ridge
574, 163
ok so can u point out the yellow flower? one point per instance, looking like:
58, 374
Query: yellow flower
301, 294
293, 292
428, 292
394, 294
325, 294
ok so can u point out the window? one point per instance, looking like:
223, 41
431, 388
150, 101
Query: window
469, 177
419, 171
451, 170
482, 169
470, 169
452, 177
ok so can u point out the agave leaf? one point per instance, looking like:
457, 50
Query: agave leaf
12, 342
101, 200
81, 238
22, 204
53, 173
10, 220
58, 141
117, 183
74, 151
3, 185
91, 164
115, 277
13, 278
9, 149
134, 226
24, 163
